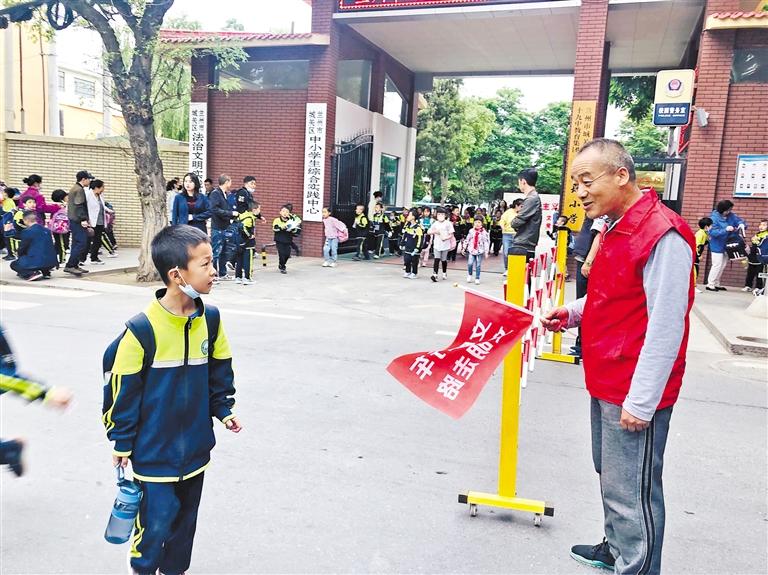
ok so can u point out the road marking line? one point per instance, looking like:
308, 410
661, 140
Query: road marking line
9, 305
260, 313
47, 291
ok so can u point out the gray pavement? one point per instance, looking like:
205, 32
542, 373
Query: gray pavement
340, 469
727, 317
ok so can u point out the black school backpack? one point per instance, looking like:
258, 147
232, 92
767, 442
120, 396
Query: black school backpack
142, 330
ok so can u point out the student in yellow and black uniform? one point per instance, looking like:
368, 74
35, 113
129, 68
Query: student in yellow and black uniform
11, 381
19, 226
411, 242
376, 235
244, 266
166, 377
286, 227
360, 232
395, 223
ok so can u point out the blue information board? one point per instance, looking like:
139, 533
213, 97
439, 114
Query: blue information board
671, 114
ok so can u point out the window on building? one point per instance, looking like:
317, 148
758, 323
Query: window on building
395, 105
62, 81
85, 88
268, 75
353, 81
388, 179
750, 65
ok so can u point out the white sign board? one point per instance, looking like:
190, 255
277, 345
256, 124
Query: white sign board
314, 161
752, 176
550, 209
198, 139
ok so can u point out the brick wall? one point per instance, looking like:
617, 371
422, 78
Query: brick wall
738, 124
57, 160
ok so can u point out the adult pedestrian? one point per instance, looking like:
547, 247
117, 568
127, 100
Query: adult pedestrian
34, 182
635, 334
527, 223
242, 200
97, 218
726, 227
507, 231
221, 217
190, 206
79, 226
208, 186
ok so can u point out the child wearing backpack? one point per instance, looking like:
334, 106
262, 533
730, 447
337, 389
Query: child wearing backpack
336, 232
286, 226
166, 376
244, 266
10, 210
478, 243
59, 225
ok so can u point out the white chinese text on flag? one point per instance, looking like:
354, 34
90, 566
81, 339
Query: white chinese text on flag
451, 379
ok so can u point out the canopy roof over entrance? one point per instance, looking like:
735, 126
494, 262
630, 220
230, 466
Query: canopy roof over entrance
528, 37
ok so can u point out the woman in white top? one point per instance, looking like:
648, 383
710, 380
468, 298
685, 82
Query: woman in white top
443, 241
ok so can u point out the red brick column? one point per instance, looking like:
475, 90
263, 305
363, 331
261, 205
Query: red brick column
322, 88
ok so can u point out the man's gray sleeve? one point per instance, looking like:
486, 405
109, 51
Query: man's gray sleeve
666, 281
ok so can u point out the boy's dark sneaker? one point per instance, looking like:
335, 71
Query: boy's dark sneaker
433, 277
97, 262
720, 288
14, 451
283, 271
74, 271
711, 289
82, 269
34, 276
594, 555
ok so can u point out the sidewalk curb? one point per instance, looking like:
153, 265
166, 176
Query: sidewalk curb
53, 283
735, 348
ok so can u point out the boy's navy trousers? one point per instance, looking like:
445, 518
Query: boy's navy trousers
165, 527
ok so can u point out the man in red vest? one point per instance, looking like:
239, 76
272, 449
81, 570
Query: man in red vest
634, 326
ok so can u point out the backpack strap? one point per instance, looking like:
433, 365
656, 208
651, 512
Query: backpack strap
141, 328
212, 321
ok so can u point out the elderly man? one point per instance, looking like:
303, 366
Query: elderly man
634, 322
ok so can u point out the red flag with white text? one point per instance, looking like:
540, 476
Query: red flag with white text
451, 379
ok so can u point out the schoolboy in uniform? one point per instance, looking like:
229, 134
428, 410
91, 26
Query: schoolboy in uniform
360, 232
159, 414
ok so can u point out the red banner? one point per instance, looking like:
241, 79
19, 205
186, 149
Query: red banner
451, 379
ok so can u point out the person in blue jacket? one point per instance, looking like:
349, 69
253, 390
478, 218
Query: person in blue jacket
37, 256
726, 226
190, 206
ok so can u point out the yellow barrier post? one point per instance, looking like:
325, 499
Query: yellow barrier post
557, 339
510, 421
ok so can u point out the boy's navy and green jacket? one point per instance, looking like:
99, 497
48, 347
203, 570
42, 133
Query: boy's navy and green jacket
160, 415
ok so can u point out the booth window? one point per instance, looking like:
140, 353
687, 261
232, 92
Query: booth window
750, 65
395, 105
267, 75
388, 180
353, 81
85, 88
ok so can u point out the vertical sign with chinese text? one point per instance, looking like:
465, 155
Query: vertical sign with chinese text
314, 161
550, 209
198, 139
582, 131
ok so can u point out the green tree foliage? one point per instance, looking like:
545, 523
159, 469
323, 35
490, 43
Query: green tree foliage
449, 129
633, 94
234, 24
643, 139
550, 129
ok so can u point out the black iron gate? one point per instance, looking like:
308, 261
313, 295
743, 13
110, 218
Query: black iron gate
351, 179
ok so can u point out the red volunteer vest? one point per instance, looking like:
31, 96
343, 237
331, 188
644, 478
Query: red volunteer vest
616, 314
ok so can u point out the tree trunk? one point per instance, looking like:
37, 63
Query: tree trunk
443, 187
151, 187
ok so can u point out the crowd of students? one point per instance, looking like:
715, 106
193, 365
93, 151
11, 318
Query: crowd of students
72, 230
725, 234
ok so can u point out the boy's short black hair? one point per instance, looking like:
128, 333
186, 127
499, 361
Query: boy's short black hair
704, 222
29, 214
359, 205
530, 175
380, 204
10, 192
171, 248
208, 181
723, 206
28, 198
377, 194
58, 195
248, 179
517, 202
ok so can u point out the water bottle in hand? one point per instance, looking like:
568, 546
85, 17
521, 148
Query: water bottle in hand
124, 510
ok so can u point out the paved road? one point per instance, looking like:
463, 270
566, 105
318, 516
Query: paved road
340, 469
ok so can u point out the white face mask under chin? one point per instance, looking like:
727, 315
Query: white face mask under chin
187, 289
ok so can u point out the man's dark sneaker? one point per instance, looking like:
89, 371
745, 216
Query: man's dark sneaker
711, 289
720, 288
14, 451
97, 262
433, 277
82, 269
34, 276
283, 271
74, 271
594, 555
